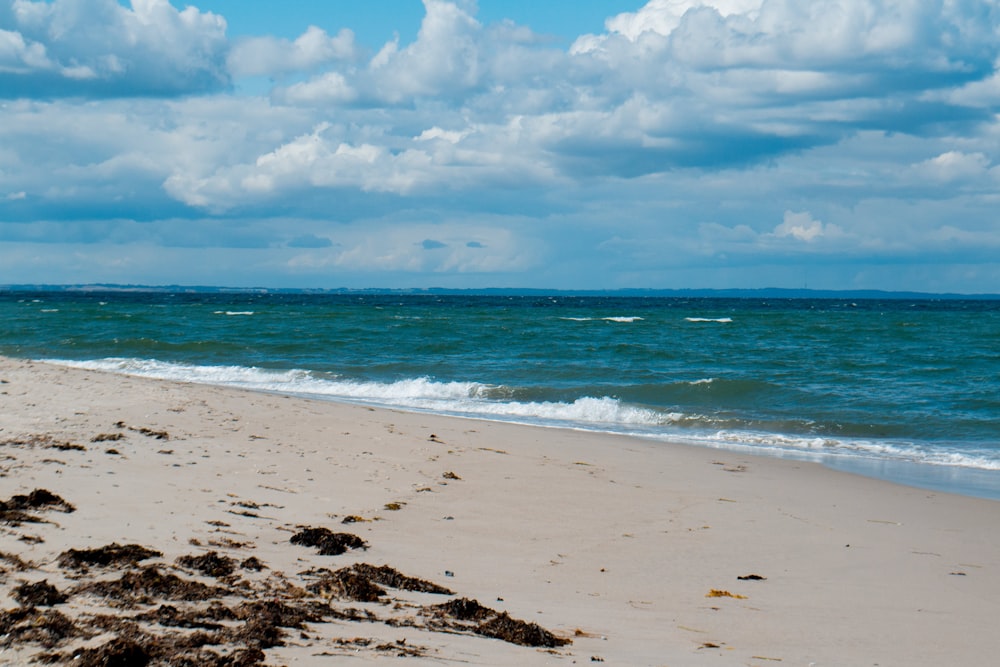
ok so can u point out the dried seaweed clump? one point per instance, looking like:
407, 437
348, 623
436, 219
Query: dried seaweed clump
328, 542
469, 615
210, 564
388, 576
16, 510
111, 554
149, 584
42, 594
27, 625
263, 621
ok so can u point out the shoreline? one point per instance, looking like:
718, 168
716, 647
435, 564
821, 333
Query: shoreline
974, 482
614, 543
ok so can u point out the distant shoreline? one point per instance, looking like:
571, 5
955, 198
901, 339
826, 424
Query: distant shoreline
761, 293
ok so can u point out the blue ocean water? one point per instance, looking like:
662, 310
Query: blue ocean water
907, 390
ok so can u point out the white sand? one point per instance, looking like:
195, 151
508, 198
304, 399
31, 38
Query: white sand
611, 542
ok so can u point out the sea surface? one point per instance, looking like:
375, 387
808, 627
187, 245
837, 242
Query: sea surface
906, 390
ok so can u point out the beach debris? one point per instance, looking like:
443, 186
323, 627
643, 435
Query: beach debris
41, 594
111, 554
29, 625
108, 437
210, 564
717, 593
18, 509
328, 542
253, 563
159, 435
451, 475
67, 447
468, 615
752, 577
394, 507
149, 584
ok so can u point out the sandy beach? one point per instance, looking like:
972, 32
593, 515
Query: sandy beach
175, 522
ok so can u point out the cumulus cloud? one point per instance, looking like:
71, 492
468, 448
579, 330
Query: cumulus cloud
101, 48
953, 166
270, 56
803, 227
701, 123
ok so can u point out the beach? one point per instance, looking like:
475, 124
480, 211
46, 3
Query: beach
555, 546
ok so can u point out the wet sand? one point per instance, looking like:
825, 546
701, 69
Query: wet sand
160, 522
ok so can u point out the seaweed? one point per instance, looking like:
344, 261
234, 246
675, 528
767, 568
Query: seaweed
42, 594
15, 511
716, 593
116, 652
328, 542
388, 576
30, 625
469, 615
347, 585
518, 632
210, 564
111, 554
148, 584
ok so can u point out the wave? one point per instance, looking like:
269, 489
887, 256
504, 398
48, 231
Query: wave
233, 312
593, 413
622, 319
723, 320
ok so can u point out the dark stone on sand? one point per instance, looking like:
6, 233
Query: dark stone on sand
328, 542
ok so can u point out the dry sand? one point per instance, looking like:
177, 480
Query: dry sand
612, 543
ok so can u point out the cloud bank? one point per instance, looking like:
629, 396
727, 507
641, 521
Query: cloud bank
692, 143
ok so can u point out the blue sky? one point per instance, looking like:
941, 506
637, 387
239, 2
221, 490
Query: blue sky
835, 144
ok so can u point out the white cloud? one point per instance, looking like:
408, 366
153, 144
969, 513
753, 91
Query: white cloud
954, 166
101, 48
269, 56
803, 227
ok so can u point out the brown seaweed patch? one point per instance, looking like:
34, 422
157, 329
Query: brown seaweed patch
388, 576
328, 542
15, 560
41, 594
16, 510
111, 554
117, 652
148, 584
253, 563
210, 564
469, 615
48, 628
108, 437
347, 585
264, 620
716, 593
518, 632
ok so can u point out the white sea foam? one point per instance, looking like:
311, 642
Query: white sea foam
233, 312
591, 413
577, 319
723, 320
622, 319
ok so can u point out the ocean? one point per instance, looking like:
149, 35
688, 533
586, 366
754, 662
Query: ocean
902, 389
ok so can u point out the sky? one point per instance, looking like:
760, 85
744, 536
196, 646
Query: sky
566, 144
